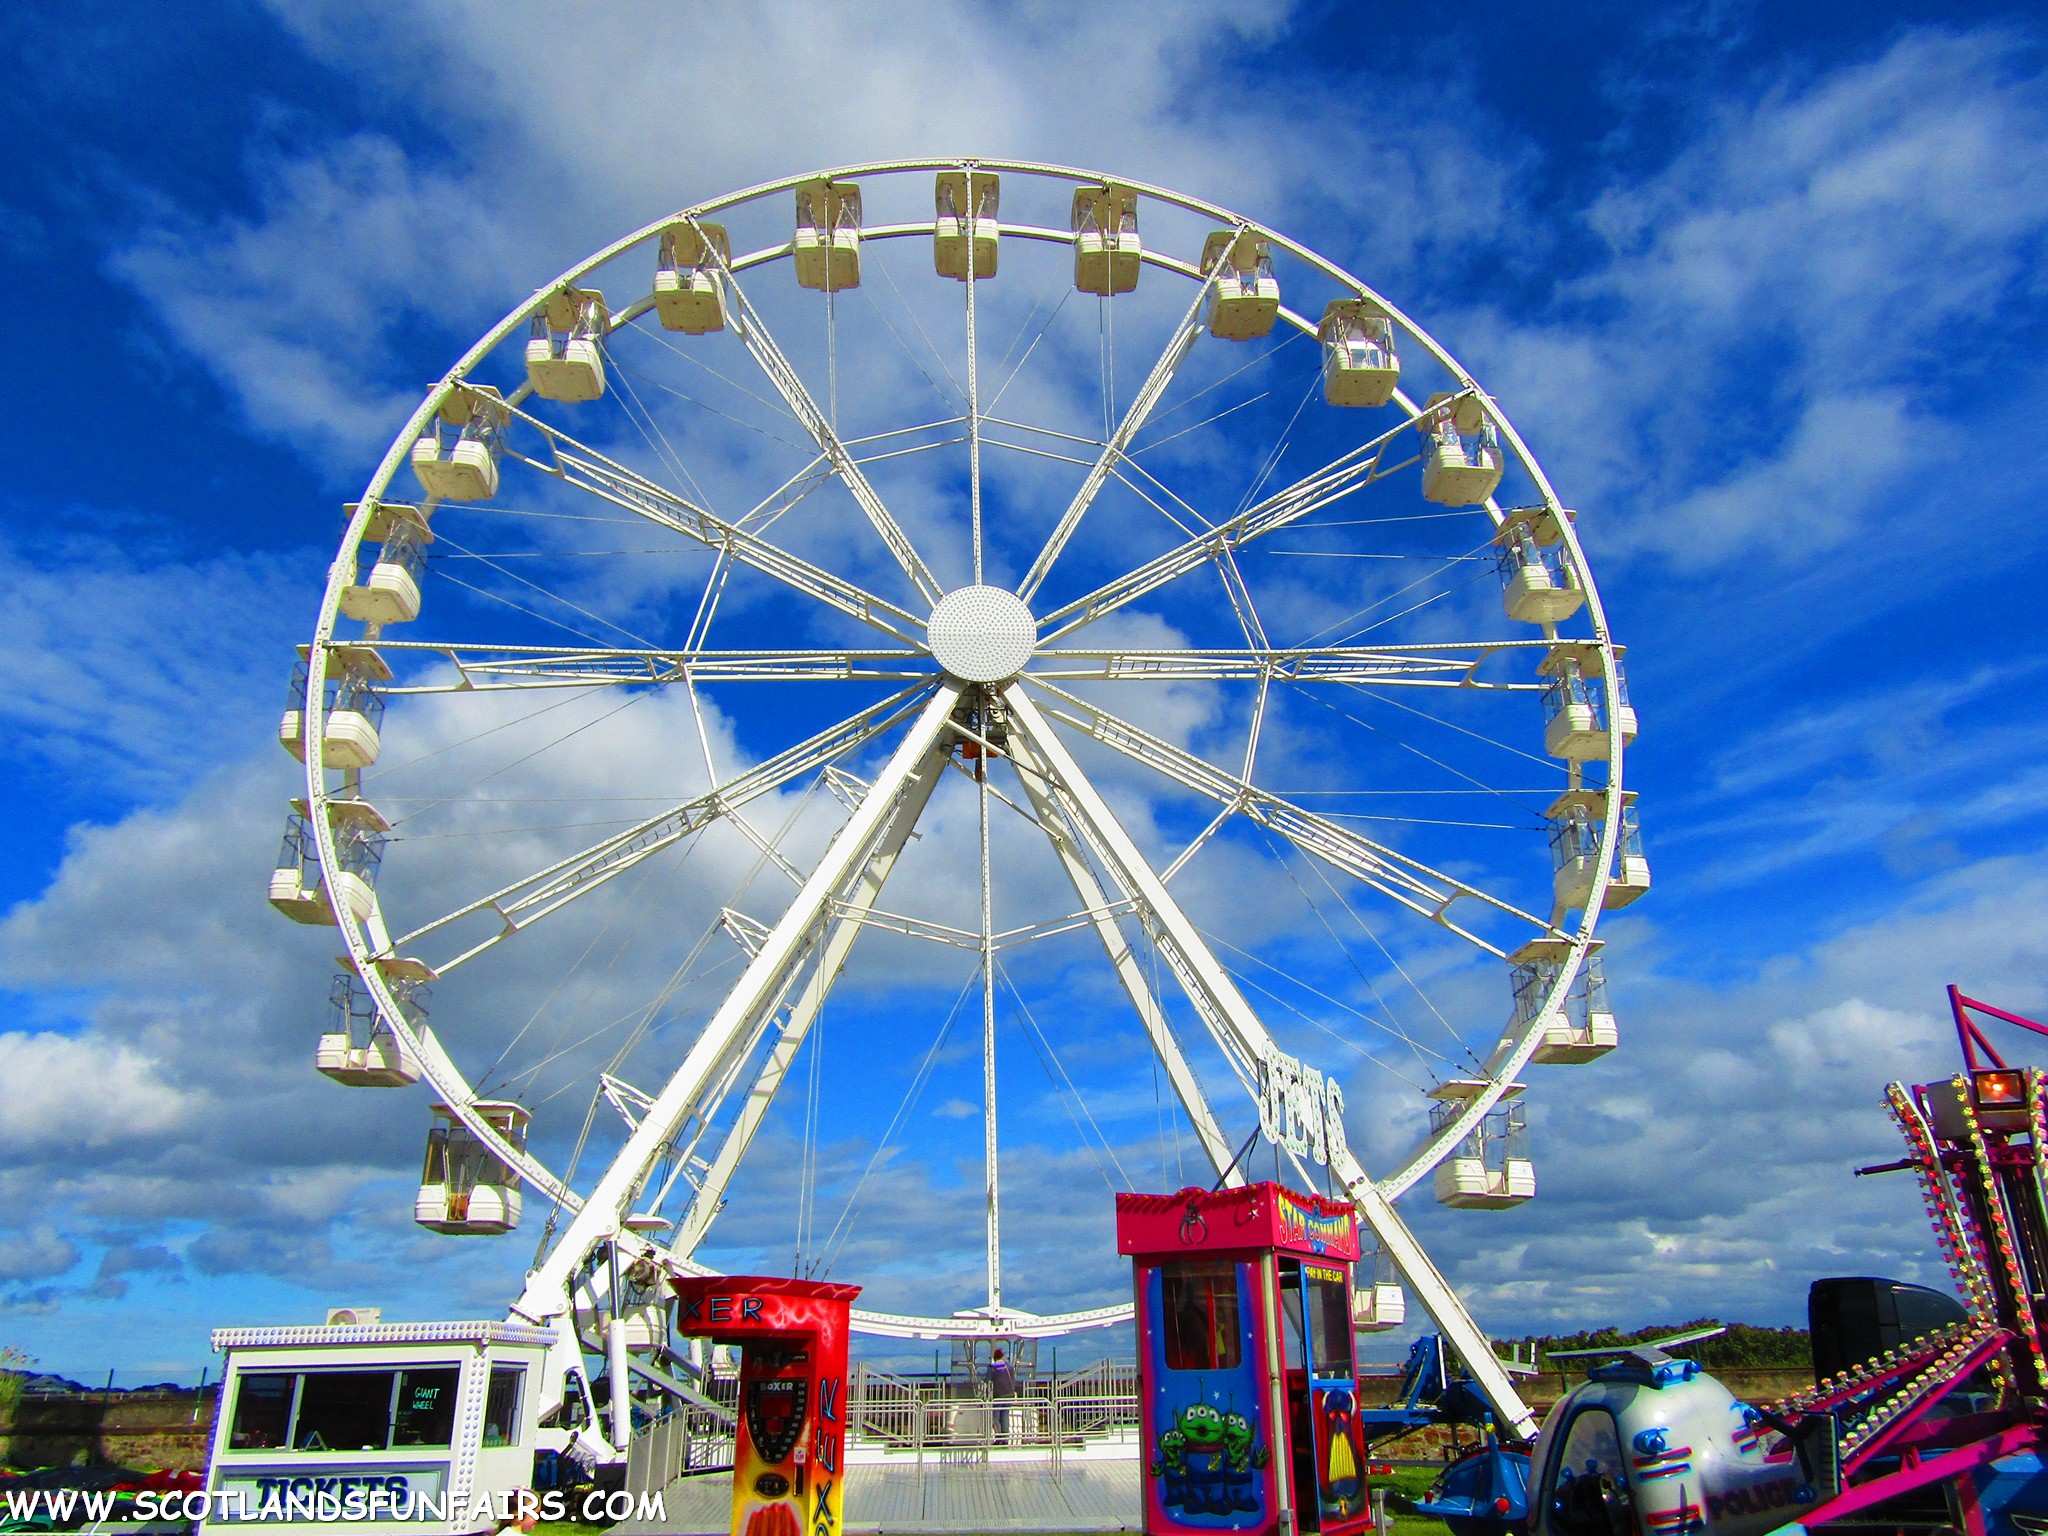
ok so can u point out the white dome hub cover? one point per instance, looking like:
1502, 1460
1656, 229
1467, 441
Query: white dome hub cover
982, 634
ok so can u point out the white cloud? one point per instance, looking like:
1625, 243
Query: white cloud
1760, 364
119, 668
72, 1094
1704, 1167
40, 1252
310, 313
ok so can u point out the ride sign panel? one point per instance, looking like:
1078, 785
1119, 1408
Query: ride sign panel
1299, 1108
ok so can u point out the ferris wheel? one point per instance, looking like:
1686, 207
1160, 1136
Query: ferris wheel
1134, 629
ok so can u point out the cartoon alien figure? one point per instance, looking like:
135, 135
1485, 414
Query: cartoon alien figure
1197, 1431
1205, 1461
1237, 1444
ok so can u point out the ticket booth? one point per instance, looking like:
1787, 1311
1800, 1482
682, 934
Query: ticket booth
790, 1443
321, 1430
1247, 1388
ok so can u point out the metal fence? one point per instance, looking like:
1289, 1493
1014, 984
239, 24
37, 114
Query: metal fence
964, 1421
945, 1419
686, 1439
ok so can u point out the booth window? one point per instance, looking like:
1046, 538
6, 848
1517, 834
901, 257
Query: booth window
425, 1411
1316, 1300
501, 1406
344, 1411
1329, 1318
1200, 1302
263, 1411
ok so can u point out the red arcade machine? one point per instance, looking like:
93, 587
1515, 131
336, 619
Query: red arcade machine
791, 1440
1247, 1392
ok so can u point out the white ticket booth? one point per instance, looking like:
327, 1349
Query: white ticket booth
426, 1426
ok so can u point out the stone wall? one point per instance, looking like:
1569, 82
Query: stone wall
171, 1429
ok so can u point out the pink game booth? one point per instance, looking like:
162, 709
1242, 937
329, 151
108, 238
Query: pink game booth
1247, 1389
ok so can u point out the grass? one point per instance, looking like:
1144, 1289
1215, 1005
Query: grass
1413, 1483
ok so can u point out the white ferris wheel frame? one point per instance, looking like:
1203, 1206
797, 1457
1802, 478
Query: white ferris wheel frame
836, 897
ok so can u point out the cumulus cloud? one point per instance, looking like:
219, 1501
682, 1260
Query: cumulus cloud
35, 1253
72, 1093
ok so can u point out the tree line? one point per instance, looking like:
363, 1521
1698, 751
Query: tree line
1742, 1346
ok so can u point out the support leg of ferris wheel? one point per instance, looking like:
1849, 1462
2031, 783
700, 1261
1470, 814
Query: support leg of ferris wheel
864, 892
1174, 929
758, 992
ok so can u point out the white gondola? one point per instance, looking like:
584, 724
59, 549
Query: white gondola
382, 1060
297, 886
1107, 253
827, 245
1360, 365
1461, 458
1379, 1303
359, 833
1246, 298
957, 226
1575, 702
1378, 1308
354, 706
296, 889
1583, 1029
1490, 1169
1538, 585
456, 458
391, 592
689, 285
1576, 819
465, 1188
565, 350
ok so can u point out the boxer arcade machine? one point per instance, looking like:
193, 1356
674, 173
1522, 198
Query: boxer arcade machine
790, 1444
1247, 1391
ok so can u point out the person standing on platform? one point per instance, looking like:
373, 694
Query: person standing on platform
1002, 1386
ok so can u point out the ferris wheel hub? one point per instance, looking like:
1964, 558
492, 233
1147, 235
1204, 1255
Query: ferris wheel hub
982, 634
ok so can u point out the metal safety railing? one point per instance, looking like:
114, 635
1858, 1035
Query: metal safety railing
953, 1420
944, 1419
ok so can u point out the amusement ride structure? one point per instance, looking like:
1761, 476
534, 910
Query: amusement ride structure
783, 542
1927, 1414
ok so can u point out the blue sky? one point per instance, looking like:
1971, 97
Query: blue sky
1762, 288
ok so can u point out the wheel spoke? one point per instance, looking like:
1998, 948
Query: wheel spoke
1439, 665
1178, 345
486, 668
1061, 829
584, 467
1415, 885
761, 343
524, 902
1332, 483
